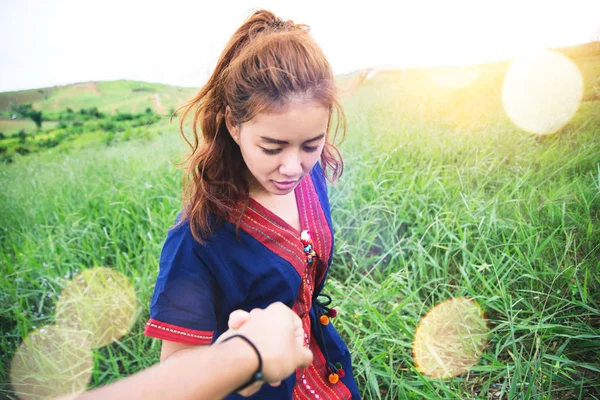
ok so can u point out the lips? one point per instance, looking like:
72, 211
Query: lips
285, 185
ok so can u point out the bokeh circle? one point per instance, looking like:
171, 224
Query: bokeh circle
542, 91
100, 302
450, 339
52, 361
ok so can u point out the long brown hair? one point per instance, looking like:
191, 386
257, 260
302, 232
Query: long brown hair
267, 65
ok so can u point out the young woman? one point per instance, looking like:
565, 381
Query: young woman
256, 225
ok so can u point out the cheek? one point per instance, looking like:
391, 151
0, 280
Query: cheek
250, 152
310, 159
257, 161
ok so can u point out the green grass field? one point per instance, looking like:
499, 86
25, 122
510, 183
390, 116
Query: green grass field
442, 197
12, 126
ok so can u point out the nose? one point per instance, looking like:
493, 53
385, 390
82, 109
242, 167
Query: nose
291, 165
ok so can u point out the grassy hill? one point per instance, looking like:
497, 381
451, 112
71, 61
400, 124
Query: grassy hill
108, 96
83, 114
442, 197
132, 96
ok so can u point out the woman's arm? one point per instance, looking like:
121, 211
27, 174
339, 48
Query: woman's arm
169, 348
215, 371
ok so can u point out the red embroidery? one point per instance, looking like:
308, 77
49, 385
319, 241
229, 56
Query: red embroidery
312, 212
279, 237
313, 382
174, 333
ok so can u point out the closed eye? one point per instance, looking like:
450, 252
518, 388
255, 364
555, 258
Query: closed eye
270, 151
308, 149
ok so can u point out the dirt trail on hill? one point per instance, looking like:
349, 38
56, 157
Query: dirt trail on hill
95, 88
158, 104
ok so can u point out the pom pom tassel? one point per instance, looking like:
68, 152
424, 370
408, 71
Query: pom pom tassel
334, 378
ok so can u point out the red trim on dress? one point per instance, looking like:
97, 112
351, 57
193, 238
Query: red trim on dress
312, 212
266, 227
174, 333
313, 382
279, 237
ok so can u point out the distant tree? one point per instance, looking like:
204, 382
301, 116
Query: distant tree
22, 110
22, 150
26, 111
148, 110
95, 112
22, 136
2, 136
36, 116
123, 117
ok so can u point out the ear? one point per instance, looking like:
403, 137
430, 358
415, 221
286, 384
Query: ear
234, 130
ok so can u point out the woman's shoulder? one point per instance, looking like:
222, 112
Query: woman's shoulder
182, 230
317, 170
319, 180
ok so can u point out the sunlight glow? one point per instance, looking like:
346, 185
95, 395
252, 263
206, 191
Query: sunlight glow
100, 302
453, 77
542, 91
51, 361
450, 338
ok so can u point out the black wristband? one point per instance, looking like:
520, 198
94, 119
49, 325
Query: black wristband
257, 376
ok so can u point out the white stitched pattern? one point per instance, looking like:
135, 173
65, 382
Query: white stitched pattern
179, 332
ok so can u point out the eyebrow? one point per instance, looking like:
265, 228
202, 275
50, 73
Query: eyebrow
277, 141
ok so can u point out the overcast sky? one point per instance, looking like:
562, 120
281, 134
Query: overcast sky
54, 42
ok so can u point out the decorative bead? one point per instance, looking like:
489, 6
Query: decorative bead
341, 373
305, 237
312, 253
332, 313
324, 319
309, 261
334, 378
338, 365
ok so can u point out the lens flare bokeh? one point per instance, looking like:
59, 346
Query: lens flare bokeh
99, 302
51, 361
450, 338
542, 91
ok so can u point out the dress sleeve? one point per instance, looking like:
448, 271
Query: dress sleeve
186, 294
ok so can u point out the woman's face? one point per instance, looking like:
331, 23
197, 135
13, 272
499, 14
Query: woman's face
281, 148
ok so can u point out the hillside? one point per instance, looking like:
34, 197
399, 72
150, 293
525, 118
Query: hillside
133, 96
109, 96
110, 111
442, 197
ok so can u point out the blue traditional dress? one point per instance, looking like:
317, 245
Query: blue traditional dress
198, 286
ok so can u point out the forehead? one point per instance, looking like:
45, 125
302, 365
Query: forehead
297, 122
